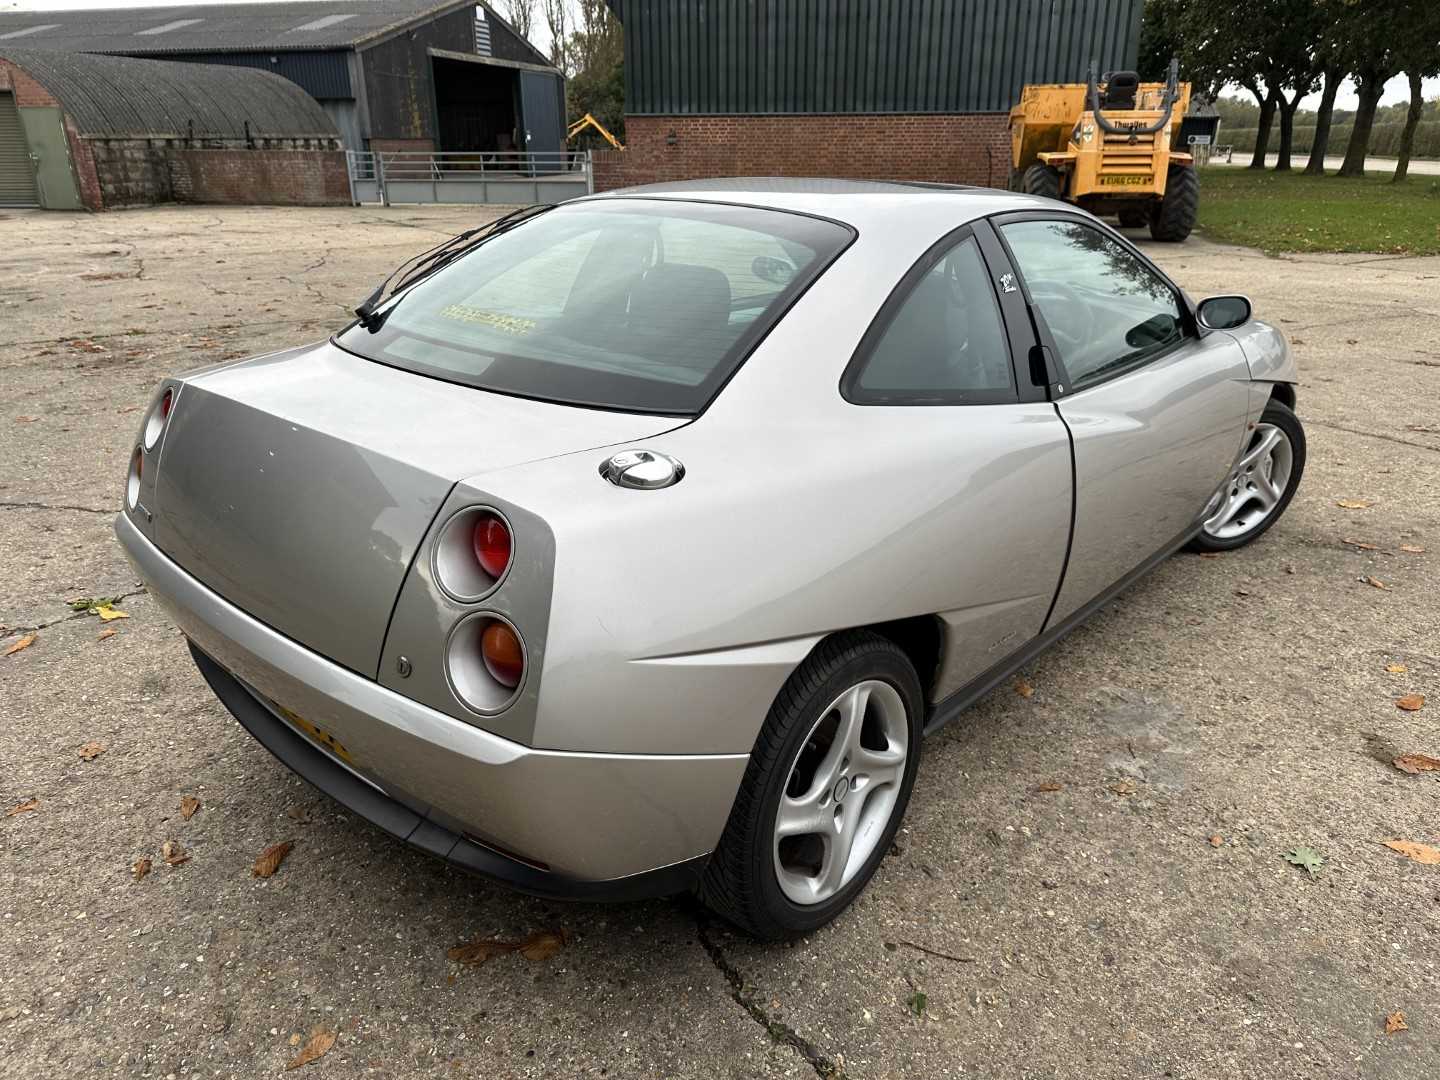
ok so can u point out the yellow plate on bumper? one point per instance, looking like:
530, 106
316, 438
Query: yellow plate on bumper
317, 735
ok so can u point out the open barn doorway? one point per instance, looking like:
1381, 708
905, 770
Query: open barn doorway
478, 106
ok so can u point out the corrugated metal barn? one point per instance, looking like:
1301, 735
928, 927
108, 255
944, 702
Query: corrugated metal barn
904, 89
392, 74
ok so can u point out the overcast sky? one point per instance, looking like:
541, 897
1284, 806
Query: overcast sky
1397, 89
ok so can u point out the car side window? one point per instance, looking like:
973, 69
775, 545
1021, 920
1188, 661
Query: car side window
941, 342
1106, 309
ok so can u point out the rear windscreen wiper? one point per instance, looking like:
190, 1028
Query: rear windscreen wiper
427, 262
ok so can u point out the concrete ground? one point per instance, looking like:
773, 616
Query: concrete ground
1091, 882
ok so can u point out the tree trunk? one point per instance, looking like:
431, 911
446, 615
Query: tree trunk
1316, 165
1287, 130
1371, 84
1262, 129
1412, 120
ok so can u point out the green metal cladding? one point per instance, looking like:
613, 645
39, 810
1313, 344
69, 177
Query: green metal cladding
862, 56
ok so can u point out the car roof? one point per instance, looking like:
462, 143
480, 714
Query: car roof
856, 202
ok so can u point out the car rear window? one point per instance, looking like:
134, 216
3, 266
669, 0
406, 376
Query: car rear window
644, 305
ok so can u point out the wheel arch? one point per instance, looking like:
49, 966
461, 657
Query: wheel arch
1283, 393
920, 638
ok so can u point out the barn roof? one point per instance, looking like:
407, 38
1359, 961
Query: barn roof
303, 24
120, 95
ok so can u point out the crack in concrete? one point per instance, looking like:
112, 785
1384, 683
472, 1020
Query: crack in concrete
1372, 435
7, 505
781, 1033
14, 631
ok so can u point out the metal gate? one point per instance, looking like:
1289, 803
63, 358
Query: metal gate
17, 170
513, 178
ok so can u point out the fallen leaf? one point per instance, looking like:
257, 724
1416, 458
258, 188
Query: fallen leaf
1123, 787
1410, 702
1361, 545
24, 643
1421, 853
106, 613
1024, 689
1412, 549
173, 853
188, 805
1353, 504
29, 806
141, 867
295, 1039
1417, 763
1375, 582
91, 750
1306, 857
108, 632
541, 945
86, 345
1395, 1022
318, 1046
1396, 669
1209, 554
26, 419
1217, 840
270, 860
1049, 785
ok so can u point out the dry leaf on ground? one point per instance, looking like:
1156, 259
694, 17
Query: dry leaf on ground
1049, 785
188, 805
24, 643
271, 858
1410, 702
1361, 545
318, 1046
1396, 669
541, 945
1421, 853
1374, 582
1395, 1022
109, 631
1353, 504
26, 419
27, 807
91, 750
1417, 763
1412, 549
1123, 787
141, 867
173, 853
106, 613
1024, 689
1217, 840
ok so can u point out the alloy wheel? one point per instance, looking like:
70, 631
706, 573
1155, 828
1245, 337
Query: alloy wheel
1255, 486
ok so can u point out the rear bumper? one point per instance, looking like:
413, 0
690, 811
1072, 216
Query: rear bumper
579, 825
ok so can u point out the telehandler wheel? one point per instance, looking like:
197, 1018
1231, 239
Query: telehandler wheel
1041, 180
1172, 218
1134, 217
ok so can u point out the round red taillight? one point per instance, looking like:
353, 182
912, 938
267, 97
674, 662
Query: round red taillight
165, 403
503, 656
491, 541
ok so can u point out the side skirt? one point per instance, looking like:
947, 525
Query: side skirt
942, 712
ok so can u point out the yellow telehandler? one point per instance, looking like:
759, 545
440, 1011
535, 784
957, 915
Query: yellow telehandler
1105, 145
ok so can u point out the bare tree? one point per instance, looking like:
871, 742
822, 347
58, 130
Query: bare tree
557, 20
520, 14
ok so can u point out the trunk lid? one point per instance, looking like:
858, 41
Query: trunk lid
299, 486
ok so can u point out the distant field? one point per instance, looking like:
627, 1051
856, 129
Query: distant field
1278, 212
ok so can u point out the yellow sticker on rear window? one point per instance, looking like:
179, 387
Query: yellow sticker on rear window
510, 324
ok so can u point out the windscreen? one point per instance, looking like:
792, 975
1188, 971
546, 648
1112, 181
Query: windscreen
643, 305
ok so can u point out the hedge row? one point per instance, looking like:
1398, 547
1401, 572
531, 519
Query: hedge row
1384, 139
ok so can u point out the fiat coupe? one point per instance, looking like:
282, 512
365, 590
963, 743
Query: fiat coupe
633, 545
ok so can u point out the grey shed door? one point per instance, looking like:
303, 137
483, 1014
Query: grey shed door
17, 173
540, 112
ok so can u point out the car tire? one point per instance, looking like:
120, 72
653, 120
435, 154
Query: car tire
1172, 218
1042, 180
750, 879
1236, 530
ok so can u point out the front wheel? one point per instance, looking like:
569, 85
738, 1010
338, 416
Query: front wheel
1260, 486
1173, 216
1042, 180
824, 792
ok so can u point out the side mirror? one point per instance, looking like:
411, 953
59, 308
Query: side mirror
1224, 312
775, 271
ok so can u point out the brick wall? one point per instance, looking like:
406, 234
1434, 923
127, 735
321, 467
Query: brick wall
282, 172
966, 148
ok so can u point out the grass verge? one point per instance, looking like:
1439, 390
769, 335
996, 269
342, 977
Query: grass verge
1280, 212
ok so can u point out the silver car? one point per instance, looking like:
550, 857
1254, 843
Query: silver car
633, 545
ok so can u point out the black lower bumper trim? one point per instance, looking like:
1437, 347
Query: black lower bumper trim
310, 763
